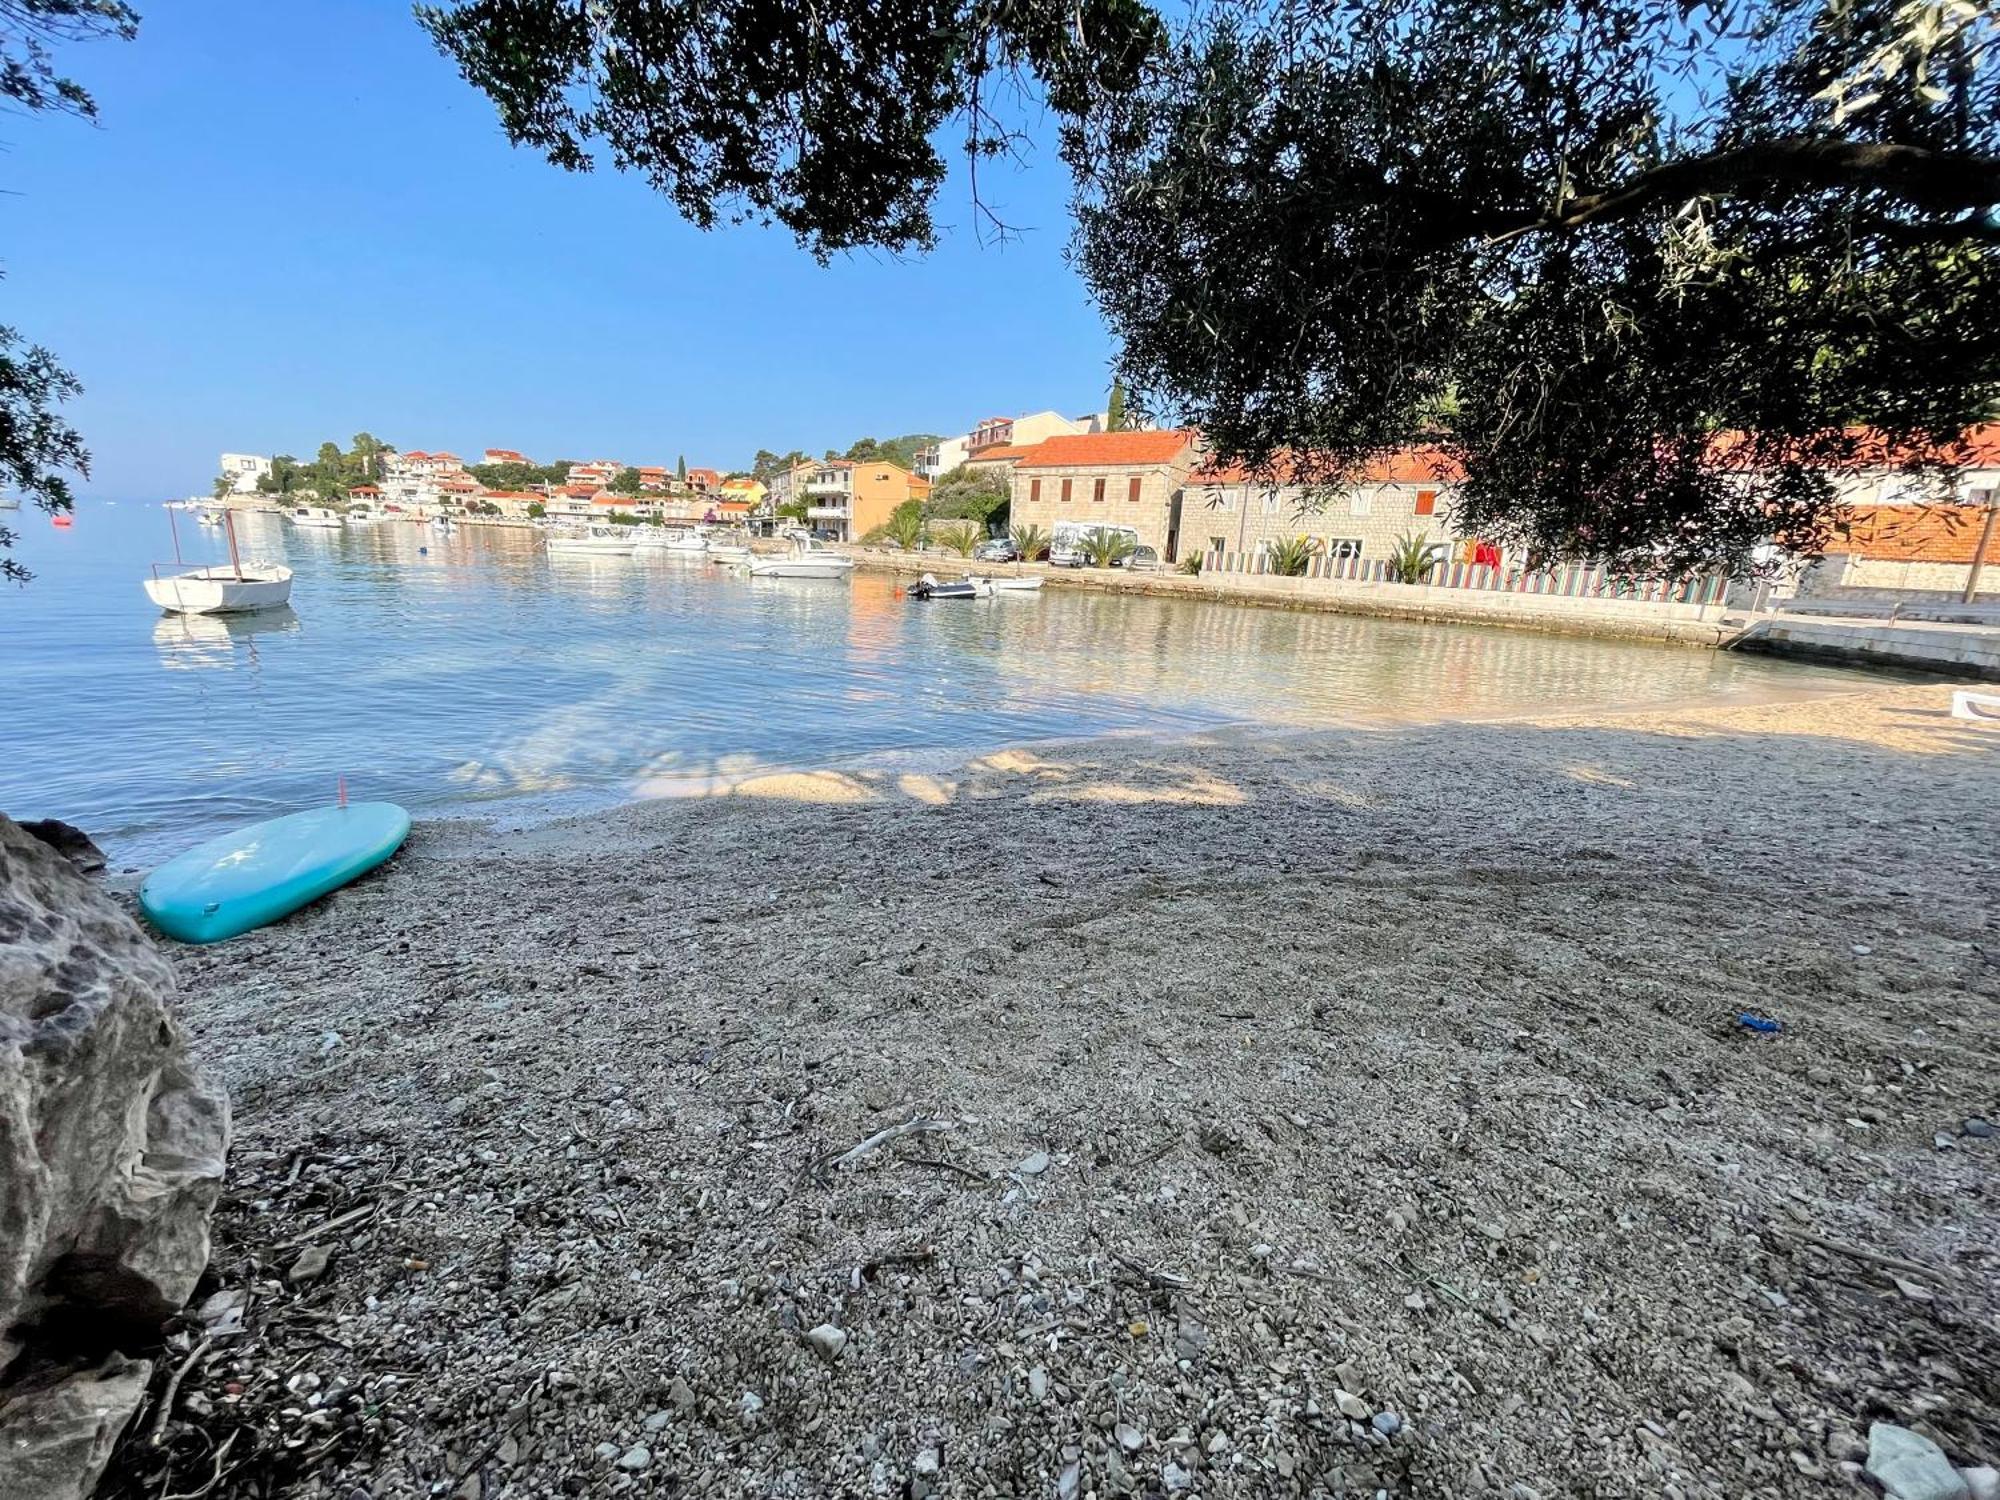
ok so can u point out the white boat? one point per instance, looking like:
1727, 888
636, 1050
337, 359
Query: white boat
235, 587
807, 559
597, 541
441, 523
928, 587
361, 515
222, 589
728, 551
677, 540
317, 517
209, 517
1014, 585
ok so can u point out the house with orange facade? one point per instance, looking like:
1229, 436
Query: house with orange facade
851, 499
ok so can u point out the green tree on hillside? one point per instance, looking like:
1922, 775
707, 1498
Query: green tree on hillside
283, 477
364, 457
1114, 413
970, 494
625, 482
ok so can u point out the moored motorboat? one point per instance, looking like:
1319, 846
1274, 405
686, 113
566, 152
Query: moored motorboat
928, 587
597, 541
209, 517
728, 551
807, 559
680, 540
317, 518
1015, 585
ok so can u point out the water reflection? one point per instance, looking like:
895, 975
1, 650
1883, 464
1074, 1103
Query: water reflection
195, 642
449, 671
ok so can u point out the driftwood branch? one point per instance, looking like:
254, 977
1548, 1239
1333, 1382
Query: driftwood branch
916, 1125
1887, 1262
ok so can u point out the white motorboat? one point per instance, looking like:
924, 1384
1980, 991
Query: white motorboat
1014, 585
222, 589
728, 551
317, 518
807, 559
361, 515
596, 541
209, 517
684, 541
235, 587
928, 587
441, 524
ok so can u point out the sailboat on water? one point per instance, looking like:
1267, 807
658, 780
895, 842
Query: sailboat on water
235, 588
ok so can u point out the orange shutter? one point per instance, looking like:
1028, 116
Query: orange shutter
1427, 502
1065, 494
1097, 493
1034, 492
1132, 489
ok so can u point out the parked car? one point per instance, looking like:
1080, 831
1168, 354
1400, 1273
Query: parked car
997, 549
824, 534
1140, 560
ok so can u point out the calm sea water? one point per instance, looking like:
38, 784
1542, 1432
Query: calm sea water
475, 674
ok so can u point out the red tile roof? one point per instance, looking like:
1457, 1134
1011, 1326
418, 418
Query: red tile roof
995, 453
1404, 466
1916, 533
1086, 450
1980, 450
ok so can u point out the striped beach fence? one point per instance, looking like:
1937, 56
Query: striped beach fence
1571, 581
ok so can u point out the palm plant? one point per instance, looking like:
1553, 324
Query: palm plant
960, 537
1289, 557
1031, 542
1191, 564
906, 527
1410, 560
1104, 548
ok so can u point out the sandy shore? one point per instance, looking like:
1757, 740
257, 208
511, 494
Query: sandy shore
1317, 1113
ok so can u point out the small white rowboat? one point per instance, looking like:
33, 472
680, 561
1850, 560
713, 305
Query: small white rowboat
222, 590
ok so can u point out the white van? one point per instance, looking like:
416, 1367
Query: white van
1066, 540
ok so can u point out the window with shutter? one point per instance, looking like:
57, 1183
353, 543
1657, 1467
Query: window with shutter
1065, 493
1427, 502
1097, 492
1132, 489
1034, 492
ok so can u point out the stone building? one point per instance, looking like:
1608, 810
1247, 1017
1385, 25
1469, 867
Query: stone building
1230, 512
1130, 479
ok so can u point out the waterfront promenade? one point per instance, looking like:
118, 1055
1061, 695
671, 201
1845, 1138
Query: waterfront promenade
1969, 652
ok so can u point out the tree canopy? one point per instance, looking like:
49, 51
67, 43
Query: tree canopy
331, 474
39, 449
968, 494
1582, 251
902, 450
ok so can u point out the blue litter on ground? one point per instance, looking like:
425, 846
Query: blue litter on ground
1757, 1023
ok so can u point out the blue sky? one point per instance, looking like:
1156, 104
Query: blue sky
296, 221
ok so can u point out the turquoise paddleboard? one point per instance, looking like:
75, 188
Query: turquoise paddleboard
269, 870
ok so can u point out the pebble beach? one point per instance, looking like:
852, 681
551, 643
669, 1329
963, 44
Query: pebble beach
1595, 1104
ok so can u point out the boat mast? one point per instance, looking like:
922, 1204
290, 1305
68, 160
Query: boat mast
229, 525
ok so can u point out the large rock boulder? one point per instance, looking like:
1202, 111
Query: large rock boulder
111, 1156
